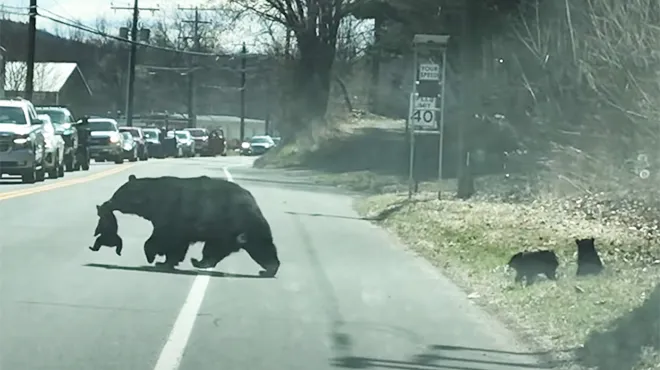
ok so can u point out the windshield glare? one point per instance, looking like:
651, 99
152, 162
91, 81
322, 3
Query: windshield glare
102, 126
197, 133
150, 134
132, 132
56, 116
13, 115
260, 140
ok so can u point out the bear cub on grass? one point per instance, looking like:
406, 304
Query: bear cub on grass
589, 263
106, 229
529, 264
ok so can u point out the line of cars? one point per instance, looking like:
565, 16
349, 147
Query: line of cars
111, 142
33, 146
47, 141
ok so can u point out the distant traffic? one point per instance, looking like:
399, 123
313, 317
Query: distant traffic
39, 142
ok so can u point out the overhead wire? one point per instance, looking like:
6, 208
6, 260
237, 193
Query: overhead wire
97, 32
82, 27
73, 21
56, 18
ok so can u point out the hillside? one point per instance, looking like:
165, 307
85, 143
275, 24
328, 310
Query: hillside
50, 48
104, 64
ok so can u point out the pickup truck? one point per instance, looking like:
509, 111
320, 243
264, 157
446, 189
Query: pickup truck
22, 143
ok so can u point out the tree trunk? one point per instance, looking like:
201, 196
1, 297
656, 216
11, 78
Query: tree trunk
313, 79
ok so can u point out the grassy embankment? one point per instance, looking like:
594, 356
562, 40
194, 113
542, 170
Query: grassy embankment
610, 322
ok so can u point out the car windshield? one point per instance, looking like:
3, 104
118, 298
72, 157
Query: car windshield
260, 140
181, 135
150, 134
102, 126
127, 135
132, 131
56, 116
12, 115
198, 133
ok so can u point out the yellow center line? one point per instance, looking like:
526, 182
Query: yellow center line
64, 183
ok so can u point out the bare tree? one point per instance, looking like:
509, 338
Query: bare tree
16, 72
315, 27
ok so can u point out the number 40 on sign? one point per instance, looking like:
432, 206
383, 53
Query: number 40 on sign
423, 112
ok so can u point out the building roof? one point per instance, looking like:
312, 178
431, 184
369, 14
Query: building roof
48, 76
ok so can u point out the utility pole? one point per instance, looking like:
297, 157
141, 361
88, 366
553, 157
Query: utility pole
132, 59
469, 42
243, 82
32, 45
197, 47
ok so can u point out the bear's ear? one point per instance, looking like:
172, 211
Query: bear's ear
98, 208
592, 240
577, 241
131, 177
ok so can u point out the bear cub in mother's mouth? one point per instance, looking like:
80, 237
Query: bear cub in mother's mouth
106, 229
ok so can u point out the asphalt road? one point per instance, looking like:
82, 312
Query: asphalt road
347, 295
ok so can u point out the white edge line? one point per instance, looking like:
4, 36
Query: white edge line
228, 175
172, 353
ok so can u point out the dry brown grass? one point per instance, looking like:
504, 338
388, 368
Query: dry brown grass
472, 241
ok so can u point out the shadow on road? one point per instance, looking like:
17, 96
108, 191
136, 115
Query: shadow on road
156, 269
305, 185
324, 215
436, 359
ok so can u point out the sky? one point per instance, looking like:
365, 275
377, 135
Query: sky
88, 12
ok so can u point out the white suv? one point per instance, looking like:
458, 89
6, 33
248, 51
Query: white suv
22, 145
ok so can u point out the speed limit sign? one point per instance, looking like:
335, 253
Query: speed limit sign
423, 112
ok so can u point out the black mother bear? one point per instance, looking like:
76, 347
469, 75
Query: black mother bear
221, 214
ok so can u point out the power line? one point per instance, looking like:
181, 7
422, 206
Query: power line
106, 35
125, 40
41, 9
192, 88
192, 118
132, 61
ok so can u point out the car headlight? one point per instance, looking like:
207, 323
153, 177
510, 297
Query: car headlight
114, 139
22, 142
245, 145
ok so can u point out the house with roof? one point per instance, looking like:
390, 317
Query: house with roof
55, 83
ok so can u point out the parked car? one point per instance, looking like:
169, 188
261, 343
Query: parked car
277, 140
105, 140
22, 144
152, 139
130, 146
185, 143
53, 163
257, 145
64, 123
138, 137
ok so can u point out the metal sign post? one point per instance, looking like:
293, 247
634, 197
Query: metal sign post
428, 86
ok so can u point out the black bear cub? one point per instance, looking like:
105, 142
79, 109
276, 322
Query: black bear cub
588, 261
106, 230
529, 264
